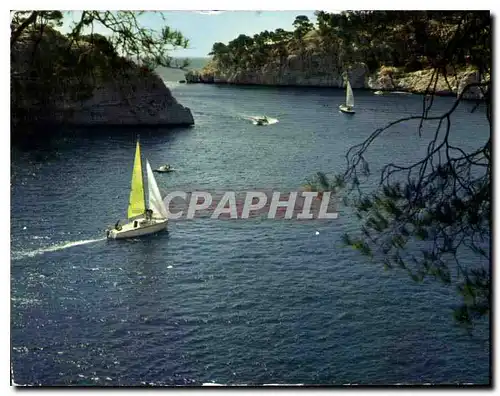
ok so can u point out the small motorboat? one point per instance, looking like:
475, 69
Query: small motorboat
261, 121
379, 92
164, 169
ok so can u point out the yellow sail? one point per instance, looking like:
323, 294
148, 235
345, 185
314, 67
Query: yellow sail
136, 204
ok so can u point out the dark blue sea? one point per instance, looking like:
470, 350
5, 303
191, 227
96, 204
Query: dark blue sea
231, 301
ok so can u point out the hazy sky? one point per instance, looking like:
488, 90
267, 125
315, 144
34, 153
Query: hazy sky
204, 28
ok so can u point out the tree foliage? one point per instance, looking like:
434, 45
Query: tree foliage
411, 39
440, 205
302, 26
250, 52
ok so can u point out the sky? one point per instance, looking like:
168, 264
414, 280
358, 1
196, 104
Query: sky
204, 28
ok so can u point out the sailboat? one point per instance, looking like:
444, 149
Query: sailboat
142, 220
349, 100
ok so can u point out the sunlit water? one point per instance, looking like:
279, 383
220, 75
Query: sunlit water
231, 302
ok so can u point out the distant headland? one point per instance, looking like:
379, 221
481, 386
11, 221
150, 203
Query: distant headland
410, 51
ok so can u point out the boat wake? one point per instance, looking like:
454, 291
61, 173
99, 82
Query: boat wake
254, 118
53, 248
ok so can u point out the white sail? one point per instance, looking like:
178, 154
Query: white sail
349, 97
155, 202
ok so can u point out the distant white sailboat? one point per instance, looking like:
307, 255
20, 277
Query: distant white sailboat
349, 100
142, 220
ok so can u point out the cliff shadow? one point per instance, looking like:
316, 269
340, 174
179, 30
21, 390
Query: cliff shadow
47, 138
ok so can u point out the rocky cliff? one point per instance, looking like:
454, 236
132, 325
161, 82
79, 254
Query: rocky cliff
137, 100
322, 71
132, 97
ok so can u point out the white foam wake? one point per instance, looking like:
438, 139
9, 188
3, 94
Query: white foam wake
270, 121
254, 118
53, 248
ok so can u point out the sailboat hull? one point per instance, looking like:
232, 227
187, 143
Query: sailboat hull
345, 109
138, 228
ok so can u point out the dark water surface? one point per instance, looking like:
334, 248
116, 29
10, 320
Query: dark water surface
234, 302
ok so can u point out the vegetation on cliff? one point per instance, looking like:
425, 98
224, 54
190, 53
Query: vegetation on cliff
49, 68
400, 41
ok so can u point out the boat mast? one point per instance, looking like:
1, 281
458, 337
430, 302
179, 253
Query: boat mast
144, 179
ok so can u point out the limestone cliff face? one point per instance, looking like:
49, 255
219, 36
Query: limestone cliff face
300, 70
136, 98
322, 71
389, 79
142, 100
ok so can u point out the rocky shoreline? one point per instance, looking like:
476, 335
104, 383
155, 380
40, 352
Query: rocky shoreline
138, 97
317, 72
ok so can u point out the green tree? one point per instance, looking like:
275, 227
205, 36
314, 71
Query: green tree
221, 54
303, 23
240, 50
302, 26
281, 39
219, 49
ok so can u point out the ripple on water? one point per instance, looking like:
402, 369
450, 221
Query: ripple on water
231, 302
